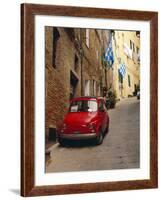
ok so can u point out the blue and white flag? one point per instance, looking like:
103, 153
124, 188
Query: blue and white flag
122, 69
109, 56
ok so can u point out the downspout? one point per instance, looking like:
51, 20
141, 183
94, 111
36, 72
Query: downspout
81, 67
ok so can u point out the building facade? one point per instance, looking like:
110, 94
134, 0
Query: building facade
74, 67
126, 48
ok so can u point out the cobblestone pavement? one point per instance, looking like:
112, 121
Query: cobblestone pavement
119, 150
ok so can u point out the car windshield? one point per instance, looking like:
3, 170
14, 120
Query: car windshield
83, 106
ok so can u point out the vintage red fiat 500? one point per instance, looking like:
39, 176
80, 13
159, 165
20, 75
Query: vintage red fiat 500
87, 118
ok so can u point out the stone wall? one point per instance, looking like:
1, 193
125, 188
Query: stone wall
75, 63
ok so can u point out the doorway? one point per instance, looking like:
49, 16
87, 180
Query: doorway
73, 84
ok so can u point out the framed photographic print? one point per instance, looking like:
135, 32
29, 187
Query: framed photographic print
88, 99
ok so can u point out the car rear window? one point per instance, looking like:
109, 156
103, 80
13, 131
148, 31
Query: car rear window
83, 106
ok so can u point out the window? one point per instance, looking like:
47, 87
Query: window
73, 84
87, 37
120, 77
133, 47
94, 87
129, 82
83, 106
87, 88
56, 37
131, 44
76, 63
71, 33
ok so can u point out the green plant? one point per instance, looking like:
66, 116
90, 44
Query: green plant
111, 99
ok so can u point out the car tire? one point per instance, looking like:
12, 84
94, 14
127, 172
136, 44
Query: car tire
61, 142
99, 138
107, 129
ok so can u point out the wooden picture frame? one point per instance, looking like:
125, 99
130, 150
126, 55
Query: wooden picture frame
28, 12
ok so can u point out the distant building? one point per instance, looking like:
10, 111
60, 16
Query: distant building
74, 67
126, 47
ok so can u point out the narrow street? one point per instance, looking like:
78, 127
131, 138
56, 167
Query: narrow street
119, 150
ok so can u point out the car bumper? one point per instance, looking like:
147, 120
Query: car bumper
78, 136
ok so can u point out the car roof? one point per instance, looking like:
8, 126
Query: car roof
86, 98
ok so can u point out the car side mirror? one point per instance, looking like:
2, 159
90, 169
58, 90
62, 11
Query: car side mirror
102, 110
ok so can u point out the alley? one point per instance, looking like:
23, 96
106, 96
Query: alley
119, 150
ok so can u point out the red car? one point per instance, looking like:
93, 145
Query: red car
87, 118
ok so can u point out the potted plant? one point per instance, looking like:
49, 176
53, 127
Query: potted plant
111, 99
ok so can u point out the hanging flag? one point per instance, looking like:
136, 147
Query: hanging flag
109, 56
128, 51
122, 69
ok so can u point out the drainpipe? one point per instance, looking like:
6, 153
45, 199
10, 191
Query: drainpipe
81, 67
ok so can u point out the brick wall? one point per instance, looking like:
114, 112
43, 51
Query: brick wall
71, 44
58, 78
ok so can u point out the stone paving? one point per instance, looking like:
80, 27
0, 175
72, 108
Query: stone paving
119, 150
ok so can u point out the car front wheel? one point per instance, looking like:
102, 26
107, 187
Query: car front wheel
99, 138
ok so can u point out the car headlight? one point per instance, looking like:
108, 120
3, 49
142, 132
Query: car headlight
63, 127
91, 126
